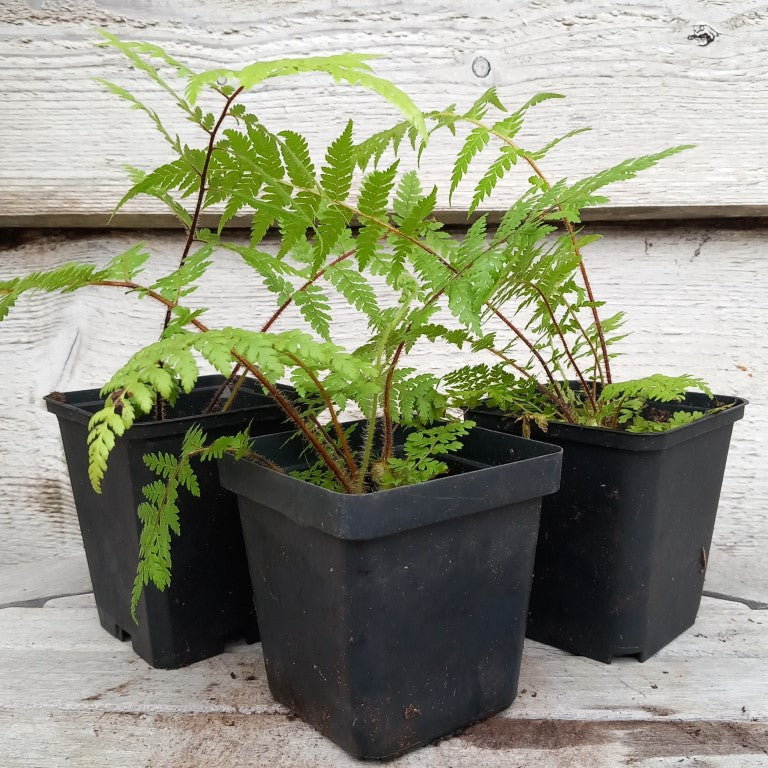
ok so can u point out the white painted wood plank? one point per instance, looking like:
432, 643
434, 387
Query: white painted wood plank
41, 580
696, 301
639, 73
213, 740
98, 704
60, 657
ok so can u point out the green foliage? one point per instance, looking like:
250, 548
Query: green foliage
319, 474
416, 398
423, 457
352, 68
529, 276
474, 143
71, 277
170, 367
159, 513
676, 419
625, 405
516, 293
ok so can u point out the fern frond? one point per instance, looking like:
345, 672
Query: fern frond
352, 68
336, 174
490, 98
71, 277
496, 170
423, 451
372, 202
296, 157
181, 282
159, 513
354, 287
314, 306
136, 103
477, 139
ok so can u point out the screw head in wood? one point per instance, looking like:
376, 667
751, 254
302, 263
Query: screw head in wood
481, 67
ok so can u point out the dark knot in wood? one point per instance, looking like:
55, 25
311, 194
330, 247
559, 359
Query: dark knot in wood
703, 34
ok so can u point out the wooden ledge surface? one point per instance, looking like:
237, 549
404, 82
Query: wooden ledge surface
72, 695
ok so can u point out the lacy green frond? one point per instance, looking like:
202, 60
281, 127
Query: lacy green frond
351, 68
71, 277
425, 454
159, 513
624, 405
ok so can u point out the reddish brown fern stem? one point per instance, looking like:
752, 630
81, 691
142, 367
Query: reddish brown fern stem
566, 347
326, 436
217, 395
160, 403
572, 234
202, 190
389, 431
295, 416
386, 225
332, 411
228, 382
276, 395
584, 277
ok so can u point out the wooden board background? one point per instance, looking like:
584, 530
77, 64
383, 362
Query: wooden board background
645, 75
696, 298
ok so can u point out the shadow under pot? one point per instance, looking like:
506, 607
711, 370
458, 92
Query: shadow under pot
391, 618
623, 546
209, 601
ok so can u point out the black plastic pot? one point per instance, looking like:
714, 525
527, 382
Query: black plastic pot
623, 545
209, 601
390, 619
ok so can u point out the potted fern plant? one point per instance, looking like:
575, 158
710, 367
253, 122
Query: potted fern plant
623, 545
413, 529
385, 523
210, 601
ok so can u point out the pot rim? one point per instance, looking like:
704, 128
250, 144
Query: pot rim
637, 441
81, 404
383, 513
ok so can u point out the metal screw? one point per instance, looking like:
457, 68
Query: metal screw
481, 66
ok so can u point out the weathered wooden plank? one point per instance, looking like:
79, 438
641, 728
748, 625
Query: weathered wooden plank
695, 299
705, 695
38, 582
646, 75
214, 740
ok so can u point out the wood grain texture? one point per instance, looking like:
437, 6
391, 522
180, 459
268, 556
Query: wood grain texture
696, 302
702, 699
645, 75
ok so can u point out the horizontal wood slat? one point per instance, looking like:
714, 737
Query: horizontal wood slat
645, 75
700, 701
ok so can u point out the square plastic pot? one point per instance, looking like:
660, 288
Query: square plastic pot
623, 545
209, 601
392, 618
